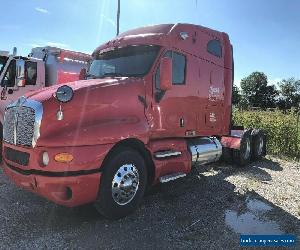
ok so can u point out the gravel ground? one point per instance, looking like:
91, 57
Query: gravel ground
206, 210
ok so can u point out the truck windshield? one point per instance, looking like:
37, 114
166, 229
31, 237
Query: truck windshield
133, 61
3, 60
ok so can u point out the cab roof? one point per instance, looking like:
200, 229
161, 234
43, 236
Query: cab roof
158, 34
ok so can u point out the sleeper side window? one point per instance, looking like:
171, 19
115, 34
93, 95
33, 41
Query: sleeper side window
214, 47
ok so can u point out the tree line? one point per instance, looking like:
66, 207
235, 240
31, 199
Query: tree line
256, 92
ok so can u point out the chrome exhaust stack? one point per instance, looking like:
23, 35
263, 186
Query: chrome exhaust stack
204, 150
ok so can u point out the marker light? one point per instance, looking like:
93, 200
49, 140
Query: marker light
63, 157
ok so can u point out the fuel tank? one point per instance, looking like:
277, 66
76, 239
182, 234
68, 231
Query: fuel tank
204, 150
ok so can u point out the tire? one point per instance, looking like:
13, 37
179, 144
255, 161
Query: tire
116, 200
243, 156
258, 144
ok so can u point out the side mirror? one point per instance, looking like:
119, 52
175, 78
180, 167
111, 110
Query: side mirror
165, 73
82, 74
20, 73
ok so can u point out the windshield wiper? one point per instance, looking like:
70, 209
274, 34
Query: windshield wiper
112, 74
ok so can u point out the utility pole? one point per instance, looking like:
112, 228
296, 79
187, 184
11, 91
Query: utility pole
118, 18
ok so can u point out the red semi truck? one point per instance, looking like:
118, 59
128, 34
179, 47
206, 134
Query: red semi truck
155, 101
44, 66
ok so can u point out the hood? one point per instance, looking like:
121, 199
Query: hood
102, 111
44, 94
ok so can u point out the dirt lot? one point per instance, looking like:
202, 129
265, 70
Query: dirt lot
206, 210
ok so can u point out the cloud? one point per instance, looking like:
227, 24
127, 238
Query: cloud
60, 45
33, 45
274, 81
237, 83
51, 44
109, 20
42, 10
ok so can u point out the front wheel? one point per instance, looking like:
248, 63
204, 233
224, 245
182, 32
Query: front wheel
123, 183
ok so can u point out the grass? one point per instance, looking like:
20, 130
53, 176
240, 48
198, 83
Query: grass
283, 135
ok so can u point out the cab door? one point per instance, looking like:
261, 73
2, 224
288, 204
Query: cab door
173, 110
20, 77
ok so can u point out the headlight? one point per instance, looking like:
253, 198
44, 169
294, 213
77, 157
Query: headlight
45, 158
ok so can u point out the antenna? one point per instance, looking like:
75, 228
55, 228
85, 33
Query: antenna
118, 17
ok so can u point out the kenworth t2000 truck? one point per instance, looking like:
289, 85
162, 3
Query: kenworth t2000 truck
155, 101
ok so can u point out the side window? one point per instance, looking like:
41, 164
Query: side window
31, 72
178, 69
214, 47
179, 62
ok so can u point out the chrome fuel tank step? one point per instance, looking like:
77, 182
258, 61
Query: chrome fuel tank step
204, 149
166, 154
171, 177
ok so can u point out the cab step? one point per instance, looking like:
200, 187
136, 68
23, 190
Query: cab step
166, 154
171, 177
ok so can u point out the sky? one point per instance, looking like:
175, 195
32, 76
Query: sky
265, 34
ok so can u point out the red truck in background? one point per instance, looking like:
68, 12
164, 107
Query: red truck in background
44, 66
155, 101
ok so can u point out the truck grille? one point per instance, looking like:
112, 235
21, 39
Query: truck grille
18, 127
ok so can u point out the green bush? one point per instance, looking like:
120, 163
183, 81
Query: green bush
280, 128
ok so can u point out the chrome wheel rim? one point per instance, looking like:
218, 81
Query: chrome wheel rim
260, 145
125, 184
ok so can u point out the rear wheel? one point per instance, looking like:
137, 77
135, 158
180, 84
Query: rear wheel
123, 183
243, 156
258, 144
